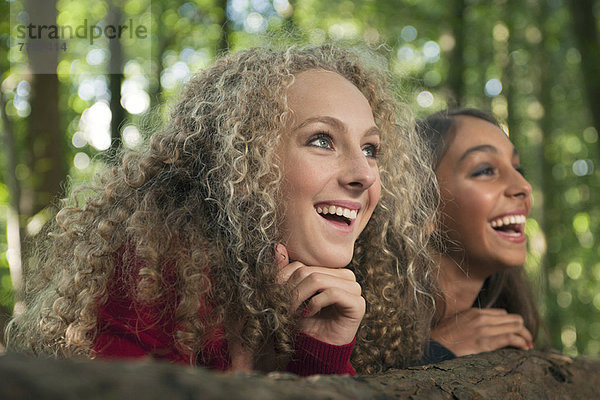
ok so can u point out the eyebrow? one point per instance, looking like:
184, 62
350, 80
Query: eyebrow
336, 123
486, 148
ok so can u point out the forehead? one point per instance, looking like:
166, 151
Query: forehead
472, 132
317, 86
318, 93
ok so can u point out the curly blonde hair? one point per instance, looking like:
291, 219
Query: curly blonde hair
203, 194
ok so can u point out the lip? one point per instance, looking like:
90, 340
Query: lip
352, 205
338, 225
521, 238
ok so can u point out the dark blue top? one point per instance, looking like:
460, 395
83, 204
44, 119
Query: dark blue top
435, 353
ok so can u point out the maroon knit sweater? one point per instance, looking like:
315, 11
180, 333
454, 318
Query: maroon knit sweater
130, 329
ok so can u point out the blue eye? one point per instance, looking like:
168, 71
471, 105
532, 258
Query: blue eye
371, 150
322, 140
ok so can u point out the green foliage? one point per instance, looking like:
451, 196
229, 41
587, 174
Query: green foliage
526, 46
6, 296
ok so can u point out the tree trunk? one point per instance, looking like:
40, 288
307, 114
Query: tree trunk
585, 27
14, 230
550, 208
509, 77
116, 81
163, 40
503, 374
223, 46
45, 138
456, 59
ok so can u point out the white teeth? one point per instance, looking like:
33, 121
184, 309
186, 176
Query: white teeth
341, 211
515, 234
508, 220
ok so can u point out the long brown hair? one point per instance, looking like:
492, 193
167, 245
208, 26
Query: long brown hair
508, 289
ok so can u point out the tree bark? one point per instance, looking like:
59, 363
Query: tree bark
456, 59
585, 27
503, 374
223, 46
117, 111
14, 230
163, 41
550, 204
44, 150
45, 138
509, 77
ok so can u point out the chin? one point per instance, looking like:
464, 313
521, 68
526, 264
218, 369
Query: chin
513, 262
340, 262
329, 259
505, 265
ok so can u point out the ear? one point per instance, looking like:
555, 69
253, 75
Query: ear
281, 255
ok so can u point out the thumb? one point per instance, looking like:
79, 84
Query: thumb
281, 255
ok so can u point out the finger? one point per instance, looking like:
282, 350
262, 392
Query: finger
475, 317
286, 271
303, 272
513, 327
349, 304
506, 340
484, 319
525, 334
491, 311
296, 272
317, 283
475, 312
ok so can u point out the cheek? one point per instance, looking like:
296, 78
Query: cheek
302, 182
457, 212
374, 194
298, 175
465, 215
448, 211
478, 203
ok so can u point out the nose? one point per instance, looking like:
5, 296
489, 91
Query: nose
518, 186
358, 172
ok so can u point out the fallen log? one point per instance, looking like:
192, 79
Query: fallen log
503, 374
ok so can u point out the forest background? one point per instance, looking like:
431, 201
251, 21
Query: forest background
534, 63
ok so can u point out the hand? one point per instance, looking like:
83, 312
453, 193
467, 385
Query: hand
482, 329
329, 299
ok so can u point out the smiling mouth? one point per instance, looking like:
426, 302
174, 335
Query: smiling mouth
337, 214
512, 225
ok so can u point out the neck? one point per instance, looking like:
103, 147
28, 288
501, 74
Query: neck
459, 285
